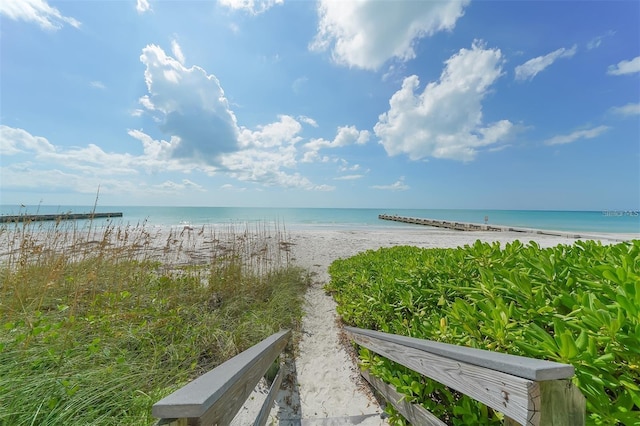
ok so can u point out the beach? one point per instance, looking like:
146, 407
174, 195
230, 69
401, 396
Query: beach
324, 386
328, 388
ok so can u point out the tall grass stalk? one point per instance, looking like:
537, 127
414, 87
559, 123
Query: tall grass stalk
98, 322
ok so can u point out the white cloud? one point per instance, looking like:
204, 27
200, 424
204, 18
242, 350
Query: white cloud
349, 177
266, 168
143, 6
532, 67
191, 108
625, 67
98, 85
308, 120
36, 11
18, 141
190, 105
298, 84
365, 34
268, 156
177, 51
398, 185
83, 169
578, 134
229, 187
346, 135
445, 120
186, 184
595, 42
253, 7
345, 167
627, 110
283, 132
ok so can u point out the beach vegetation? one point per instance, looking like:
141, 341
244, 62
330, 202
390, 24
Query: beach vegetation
577, 304
97, 323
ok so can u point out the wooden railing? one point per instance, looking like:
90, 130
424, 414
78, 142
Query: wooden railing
216, 397
528, 391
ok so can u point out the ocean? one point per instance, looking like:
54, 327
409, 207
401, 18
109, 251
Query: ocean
615, 221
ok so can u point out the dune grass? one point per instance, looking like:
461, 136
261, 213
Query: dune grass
97, 323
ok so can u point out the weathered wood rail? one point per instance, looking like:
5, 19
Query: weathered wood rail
216, 397
55, 217
528, 391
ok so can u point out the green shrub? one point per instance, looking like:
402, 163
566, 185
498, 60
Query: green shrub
577, 304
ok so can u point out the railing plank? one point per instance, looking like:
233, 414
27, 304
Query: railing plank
220, 393
263, 416
500, 391
416, 414
527, 368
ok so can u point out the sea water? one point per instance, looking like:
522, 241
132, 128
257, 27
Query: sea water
349, 218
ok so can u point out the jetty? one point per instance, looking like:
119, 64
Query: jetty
56, 217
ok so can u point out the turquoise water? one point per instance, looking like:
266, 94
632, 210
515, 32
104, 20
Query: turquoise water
296, 218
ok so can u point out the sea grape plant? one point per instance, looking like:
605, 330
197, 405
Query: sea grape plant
577, 304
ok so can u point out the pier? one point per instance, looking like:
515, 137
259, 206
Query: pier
466, 226
458, 226
55, 217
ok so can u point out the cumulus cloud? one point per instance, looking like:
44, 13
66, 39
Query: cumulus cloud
445, 119
578, 134
625, 67
143, 6
268, 156
365, 34
18, 141
38, 12
253, 7
190, 105
267, 168
283, 132
346, 135
532, 67
627, 110
92, 159
192, 110
200, 134
398, 185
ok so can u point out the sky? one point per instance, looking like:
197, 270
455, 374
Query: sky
353, 103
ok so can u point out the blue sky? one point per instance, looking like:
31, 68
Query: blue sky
406, 104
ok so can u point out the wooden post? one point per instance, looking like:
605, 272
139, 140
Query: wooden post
562, 404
